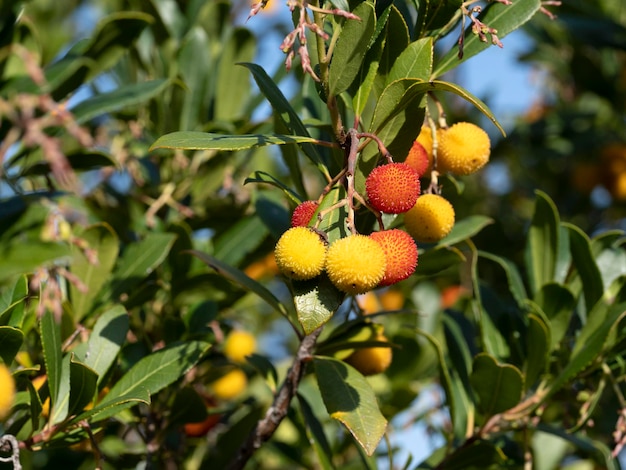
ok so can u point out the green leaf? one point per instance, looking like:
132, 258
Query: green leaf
316, 301
111, 407
316, 435
192, 140
12, 303
241, 279
82, 386
464, 229
195, 62
244, 236
504, 18
60, 408
104, 242
263, 177
157, 370
558, 304
10, 343
589, 345
431, 262
106, 340
351, 48
333, 223
83, 160
498, 387
233, 86
542, 243
586, 267
349, 398
397, 40
50, 332
416, 61
479, 454
138, 261
19, 257
513, 276
538, 346
120, 98
285, 112
188, 407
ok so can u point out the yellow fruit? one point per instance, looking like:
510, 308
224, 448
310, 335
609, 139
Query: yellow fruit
392, 299
368, 303
230, 385
300, 253
426, 139
7, 391
355, 264
463, 149
371, 361
430, 219
238, 345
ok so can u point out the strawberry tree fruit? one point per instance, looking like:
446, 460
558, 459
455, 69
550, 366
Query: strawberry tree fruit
400, 253
464, 148
300, 253
355, 264
303, 213
372, 360
238, 345
431, 219
392, 188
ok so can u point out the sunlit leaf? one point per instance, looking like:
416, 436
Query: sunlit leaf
193, 140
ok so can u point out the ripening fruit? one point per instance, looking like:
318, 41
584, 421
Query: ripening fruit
418, 158
7, 391
392, 188
430, 219
230, 385
238, 345
400, 253
300, 253
202, 428
302, 213
371, 361
464, 148
355, 264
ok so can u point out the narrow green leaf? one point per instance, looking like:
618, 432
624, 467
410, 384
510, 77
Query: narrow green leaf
291, 157
60, 408
586, 267
192, 140
558, 303
12, 303
498, 387
18, 257
263, 177
10, 343
111, 407
50, 332
542, 243
285, 111
104, 242
137, 262
241, 279
465, 228
106, 340
351, 48
538, 346
316, 301
316, 434
416, 61
233, 87
244, 236
513, 276
504, 18
433, 261
367, 75
157, 370
82, 385
195, 61
120, 98
349, 398
397, 40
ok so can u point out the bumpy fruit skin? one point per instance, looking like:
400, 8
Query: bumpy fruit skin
7, 391
400, 253
392, 188
418, 158
355, 264
238, 345
302, 213
300, 253
371, 361
464, 148
430, 219
230, 385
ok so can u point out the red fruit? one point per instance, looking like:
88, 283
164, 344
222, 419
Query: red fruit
302, 214
418, 158
393, 188
203, 427
400, 252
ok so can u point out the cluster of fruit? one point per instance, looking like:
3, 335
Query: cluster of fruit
358, 263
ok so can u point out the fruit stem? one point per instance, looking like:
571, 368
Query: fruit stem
353, 136
381, 147
266, 427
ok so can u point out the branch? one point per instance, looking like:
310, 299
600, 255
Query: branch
266, 427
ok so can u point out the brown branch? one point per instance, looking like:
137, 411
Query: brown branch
266, 427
